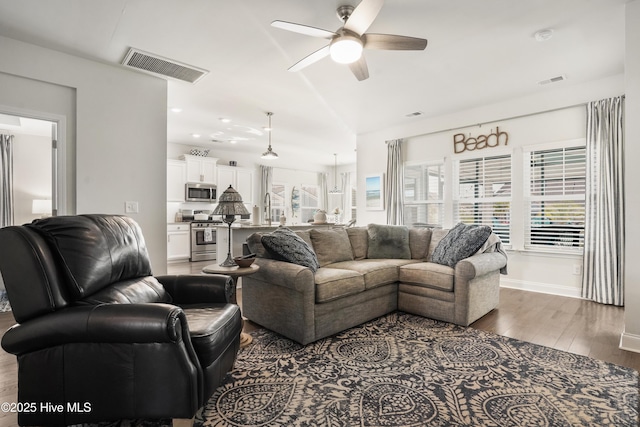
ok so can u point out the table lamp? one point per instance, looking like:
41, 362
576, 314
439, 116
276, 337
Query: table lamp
229, 205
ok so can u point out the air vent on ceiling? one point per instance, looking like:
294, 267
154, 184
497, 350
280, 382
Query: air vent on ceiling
552, 80
154, 64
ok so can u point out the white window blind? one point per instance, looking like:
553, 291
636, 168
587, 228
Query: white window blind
424, 194
555, 198
483, 193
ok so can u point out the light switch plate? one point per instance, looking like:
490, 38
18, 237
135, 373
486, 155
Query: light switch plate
130, 207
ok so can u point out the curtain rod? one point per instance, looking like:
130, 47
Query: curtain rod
496, 120
582, 104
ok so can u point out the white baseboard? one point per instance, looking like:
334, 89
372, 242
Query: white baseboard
630, 342
545, 288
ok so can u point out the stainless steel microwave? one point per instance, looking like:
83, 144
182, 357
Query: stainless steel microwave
200, 192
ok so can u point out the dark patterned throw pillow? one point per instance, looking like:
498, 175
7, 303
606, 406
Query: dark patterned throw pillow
286, 245
461, 242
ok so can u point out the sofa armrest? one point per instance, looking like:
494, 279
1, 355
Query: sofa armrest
106, 323
480, 264
285, 274
198, 288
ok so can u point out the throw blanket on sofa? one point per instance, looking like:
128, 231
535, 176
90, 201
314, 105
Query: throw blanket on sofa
494, 244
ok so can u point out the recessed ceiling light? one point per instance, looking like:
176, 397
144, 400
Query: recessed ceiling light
176, 110
232, 141
195, 135
224, 120
543, 35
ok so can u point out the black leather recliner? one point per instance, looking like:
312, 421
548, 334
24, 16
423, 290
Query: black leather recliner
98, 337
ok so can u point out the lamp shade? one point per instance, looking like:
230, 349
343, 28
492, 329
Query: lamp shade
230, 203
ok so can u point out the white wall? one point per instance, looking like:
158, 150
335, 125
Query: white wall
432, 139
31, 174
631, 335
116, 131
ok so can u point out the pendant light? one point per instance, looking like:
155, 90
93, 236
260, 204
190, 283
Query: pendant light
269, 154
335, 176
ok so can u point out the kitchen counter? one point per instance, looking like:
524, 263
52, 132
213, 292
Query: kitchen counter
240, 232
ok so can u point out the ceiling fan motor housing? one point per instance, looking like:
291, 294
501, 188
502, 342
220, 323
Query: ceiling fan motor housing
344, 12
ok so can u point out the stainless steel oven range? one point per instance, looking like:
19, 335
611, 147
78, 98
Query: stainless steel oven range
203, 240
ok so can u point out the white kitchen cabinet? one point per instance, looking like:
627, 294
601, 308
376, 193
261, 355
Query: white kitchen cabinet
178, 242
201, 169
176, 178
241, 179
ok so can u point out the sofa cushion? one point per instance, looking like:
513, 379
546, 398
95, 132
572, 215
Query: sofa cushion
419, 240
376, 272
461, 242
286, 245
388, 241
334, 283
436, 235
428, 275
331, 245
210, 328
359, 238
254, 243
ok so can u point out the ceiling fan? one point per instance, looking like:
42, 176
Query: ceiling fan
347, 42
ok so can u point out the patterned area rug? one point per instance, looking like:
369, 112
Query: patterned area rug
405, 370
4, 301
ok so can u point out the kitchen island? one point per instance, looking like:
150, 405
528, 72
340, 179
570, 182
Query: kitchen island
240, 232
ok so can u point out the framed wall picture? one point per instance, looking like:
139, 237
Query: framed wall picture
374, 185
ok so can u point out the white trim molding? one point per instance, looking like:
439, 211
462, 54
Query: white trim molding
629, 342
545, 288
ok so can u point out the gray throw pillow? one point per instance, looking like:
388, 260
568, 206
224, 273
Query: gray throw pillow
388, 241
461, 242
285, 245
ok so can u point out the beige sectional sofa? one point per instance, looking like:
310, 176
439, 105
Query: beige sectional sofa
364, 275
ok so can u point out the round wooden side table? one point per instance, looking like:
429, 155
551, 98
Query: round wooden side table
234, 273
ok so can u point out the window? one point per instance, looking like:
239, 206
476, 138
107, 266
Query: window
424, 194
354, 199
483, 193
556, 197
278, 201
308, 202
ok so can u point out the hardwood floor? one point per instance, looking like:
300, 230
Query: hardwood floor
568, 324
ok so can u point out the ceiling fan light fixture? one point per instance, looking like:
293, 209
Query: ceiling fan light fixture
346, 49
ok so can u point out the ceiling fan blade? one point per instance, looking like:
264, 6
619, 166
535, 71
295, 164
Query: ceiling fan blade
393, 42
363, 16
310, 59
303, 29
360, 69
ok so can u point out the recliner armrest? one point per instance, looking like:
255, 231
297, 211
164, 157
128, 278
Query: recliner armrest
198, 289
106, 323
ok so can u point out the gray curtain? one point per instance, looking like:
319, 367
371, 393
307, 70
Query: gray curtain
323, 202
266, 179
394, 183
6, 180
603, 264
346, 196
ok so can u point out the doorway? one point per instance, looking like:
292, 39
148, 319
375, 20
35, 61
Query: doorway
36, 168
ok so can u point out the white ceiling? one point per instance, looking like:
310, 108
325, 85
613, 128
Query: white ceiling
479, 52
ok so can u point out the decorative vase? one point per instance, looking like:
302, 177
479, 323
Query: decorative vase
320, 217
